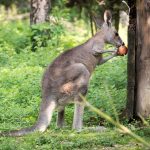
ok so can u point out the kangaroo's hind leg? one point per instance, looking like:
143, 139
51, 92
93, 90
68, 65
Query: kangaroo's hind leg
79, 106
46, 111
76, 81
60, 117
78, 116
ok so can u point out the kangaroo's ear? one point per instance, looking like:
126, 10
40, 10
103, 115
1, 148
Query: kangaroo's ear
107, 17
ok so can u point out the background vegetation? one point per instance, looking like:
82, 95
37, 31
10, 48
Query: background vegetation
21, 71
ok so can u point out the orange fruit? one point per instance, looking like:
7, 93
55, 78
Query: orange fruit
122, 50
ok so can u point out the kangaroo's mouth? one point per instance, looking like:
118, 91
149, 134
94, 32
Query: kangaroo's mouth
118, 45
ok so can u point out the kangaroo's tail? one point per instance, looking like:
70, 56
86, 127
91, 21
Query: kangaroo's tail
20, 132
46, 111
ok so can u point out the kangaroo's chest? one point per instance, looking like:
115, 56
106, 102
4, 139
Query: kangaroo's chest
89, 60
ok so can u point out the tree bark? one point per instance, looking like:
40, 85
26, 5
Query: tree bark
143, 59
39, 11
131, 60
138, 96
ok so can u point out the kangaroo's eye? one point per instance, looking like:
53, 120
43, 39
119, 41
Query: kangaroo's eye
116, 34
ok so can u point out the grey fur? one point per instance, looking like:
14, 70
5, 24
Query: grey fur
78, 116
66, 77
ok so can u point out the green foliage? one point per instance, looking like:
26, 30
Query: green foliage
17, 36
45, 34
14, 36
70, 140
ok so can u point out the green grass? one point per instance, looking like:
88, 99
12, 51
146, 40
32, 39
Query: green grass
20, 93
70, 140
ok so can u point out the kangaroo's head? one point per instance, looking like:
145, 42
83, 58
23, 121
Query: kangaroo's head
110, 34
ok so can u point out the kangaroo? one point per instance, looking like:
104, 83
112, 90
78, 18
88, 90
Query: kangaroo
69, 75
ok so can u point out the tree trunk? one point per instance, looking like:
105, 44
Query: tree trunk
131, 59
143, 58
39, 14
39, 11
138, 96
117, 19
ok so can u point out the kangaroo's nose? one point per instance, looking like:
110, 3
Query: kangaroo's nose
123, 44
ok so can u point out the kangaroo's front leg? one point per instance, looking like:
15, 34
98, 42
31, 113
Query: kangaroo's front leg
107, 51
103, 60
98, 52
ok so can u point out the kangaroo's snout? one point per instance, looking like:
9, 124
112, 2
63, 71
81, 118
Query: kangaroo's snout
120, 44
